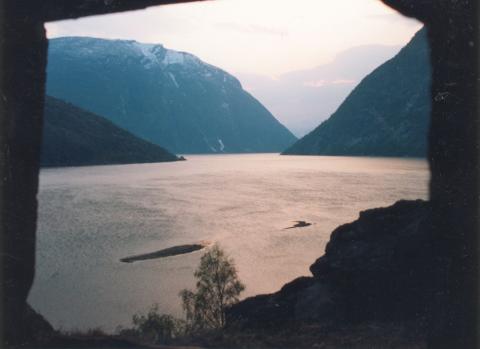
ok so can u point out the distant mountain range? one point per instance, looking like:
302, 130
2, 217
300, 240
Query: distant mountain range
75, 137
169, 98
304, 98
387, 114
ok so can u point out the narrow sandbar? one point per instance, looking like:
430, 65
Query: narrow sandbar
167, 252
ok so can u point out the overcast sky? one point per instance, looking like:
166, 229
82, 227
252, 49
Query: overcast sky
262, 37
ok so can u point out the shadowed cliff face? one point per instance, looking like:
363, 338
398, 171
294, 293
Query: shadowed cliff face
378, 263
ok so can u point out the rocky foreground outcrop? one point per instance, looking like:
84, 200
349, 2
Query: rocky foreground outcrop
375, 269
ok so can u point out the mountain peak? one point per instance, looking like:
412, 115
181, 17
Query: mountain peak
167, 97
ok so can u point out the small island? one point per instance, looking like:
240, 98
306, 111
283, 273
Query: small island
166, 252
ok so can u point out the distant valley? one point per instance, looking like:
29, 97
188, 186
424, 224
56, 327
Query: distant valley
387, 114
304, 98
169, 98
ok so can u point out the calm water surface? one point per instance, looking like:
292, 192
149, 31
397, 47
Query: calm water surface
90, 217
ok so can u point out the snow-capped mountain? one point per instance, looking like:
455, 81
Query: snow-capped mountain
167, 97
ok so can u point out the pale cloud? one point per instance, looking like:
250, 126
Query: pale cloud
323, 83
394, 17
252, 29
267, 37
344, 82
317, 83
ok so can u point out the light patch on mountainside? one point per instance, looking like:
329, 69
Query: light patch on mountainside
174, 57
173, 79
222, 146
146, 51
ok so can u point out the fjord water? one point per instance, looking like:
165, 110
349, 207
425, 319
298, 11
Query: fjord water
90, 217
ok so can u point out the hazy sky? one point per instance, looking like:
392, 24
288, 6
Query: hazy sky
264, 37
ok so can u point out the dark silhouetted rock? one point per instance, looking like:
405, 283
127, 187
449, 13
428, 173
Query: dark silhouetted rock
374, 269
377, 265
38, 331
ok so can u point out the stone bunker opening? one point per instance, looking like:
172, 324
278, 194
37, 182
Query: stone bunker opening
75, 209
453, 158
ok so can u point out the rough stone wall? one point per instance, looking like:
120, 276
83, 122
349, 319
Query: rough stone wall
54, 10
454, 163
23, 55
23, 50
453, 153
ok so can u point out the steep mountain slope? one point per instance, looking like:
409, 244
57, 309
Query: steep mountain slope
75, 137
387, 114
167, 97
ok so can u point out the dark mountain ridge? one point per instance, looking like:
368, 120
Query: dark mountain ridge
387, 114
75, 137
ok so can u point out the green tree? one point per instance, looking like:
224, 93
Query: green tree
155, 327
217, 288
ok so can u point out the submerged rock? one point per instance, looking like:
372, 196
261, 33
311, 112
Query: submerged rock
299, 224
